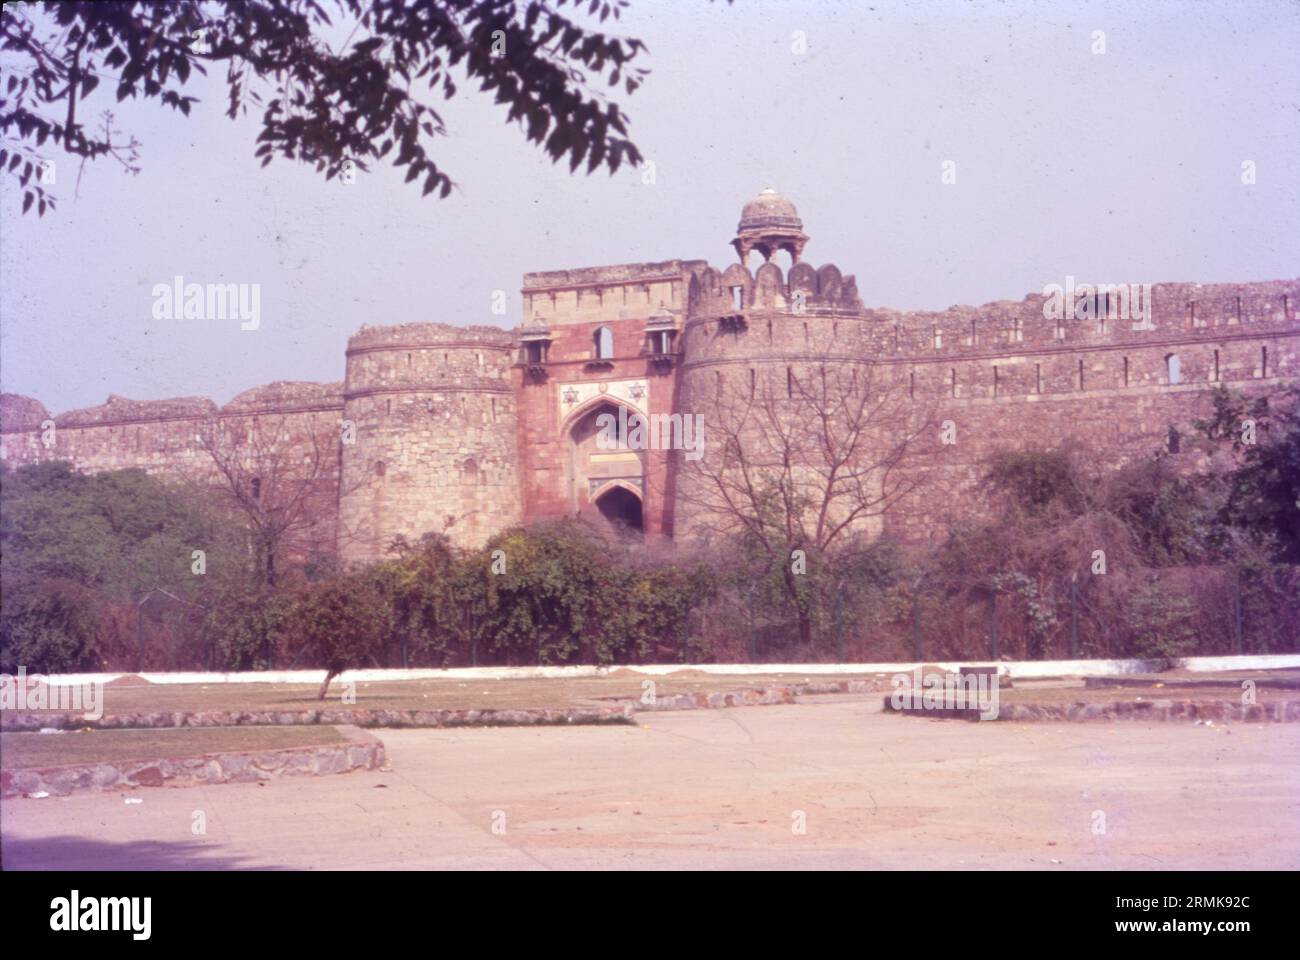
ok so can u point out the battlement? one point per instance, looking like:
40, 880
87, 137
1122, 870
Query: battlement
417, 335
1175, 313
120, 410
613, 275
627, 291
806, 290
285, 396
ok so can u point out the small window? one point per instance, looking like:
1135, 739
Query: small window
1017, 330
1174, 368
603, 339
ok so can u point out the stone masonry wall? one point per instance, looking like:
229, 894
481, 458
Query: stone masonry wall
434, 431
443, 428
1003, 374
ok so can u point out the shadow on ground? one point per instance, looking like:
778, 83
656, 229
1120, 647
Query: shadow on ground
66, 852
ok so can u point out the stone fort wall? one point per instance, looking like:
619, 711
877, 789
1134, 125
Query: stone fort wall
1004, 374
435, 437
441, 428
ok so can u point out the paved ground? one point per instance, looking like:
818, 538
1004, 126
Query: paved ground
720, 788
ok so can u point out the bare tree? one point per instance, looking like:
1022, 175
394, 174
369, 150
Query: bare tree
281, 475
803, 466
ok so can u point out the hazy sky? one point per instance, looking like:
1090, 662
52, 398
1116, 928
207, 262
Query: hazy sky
1120, 167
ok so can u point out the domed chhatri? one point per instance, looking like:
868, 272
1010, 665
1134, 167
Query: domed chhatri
769, 223
769, 208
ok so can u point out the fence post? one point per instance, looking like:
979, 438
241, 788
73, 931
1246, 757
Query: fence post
916, 628
139, 636
839, 626
1074, 616
1236, 606
993, 619
753, 630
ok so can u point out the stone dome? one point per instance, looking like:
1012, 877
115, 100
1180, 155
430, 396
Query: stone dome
769, 223
769, 209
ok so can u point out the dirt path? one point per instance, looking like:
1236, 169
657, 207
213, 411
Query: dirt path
723, 788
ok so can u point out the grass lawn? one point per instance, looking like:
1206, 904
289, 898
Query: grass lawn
435, 694
25, 750
135, 696
1027, 693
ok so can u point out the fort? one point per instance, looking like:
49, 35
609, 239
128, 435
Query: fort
469, 430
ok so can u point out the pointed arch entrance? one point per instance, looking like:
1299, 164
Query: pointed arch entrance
620, 505
605, 477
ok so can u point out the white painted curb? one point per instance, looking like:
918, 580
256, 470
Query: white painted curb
1025, 669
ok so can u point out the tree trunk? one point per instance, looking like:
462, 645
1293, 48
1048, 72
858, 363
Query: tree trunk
805, 630
326, 685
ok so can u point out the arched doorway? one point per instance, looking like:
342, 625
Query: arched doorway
621, 507
605, 476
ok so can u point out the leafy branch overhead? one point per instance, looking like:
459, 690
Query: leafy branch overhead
338, 83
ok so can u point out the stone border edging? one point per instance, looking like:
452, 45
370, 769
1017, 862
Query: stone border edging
752, 696
358, 717
1158, 711
620, 711
361, 751
1271, 683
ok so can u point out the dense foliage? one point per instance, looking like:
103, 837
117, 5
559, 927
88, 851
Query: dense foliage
1154, 558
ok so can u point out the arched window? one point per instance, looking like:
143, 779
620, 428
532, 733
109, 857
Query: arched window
1174, 368
603, 338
